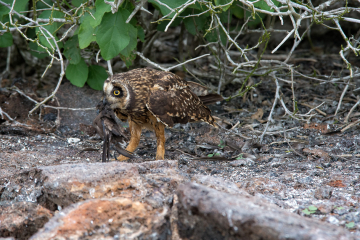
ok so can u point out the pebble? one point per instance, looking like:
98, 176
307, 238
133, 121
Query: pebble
73, 140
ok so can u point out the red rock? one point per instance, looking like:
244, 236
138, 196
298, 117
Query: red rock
101, 218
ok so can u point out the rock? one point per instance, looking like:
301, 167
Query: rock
70, 183
56, 187
205, 213
305, 180
22, 219
115, 218
59, 187
333, 220
323, 193
242, 162
219, 184
74, 97
340, 210
112, 194
262, 185
352, 217
21, 187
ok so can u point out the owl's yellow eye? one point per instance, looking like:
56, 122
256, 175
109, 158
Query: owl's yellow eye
116, 92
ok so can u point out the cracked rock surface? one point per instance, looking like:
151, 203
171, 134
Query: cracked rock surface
149, 200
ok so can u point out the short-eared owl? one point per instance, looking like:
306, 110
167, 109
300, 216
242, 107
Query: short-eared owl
154, 99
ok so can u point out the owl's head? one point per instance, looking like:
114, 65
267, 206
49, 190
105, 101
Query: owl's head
116, 93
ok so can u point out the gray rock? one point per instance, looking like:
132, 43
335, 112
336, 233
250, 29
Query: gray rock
205, 213
242, 162
75, 97
323, 193
341, 210
305, 180
352, 217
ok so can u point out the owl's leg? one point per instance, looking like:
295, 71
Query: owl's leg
135, 130
160, 137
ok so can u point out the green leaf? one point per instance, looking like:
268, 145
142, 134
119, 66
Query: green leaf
41, 5
212, 36
77, 3
224, 17
77, 73
20, 5
86, 34
196, 5
262, 5
37, 51
350, 225
237, 11
90, 18
223, 2
71, 50
97, 77
3, 10
312, 208
113, 33
222, 144
6, 40
196, 24
210, 155
240, 156
132, 43
141, 33
52, 28
55, 14
306, 211
101, 9
129, 59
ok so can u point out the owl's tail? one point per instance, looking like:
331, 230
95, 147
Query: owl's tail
211, 98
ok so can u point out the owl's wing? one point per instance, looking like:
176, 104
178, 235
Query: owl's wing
176, 103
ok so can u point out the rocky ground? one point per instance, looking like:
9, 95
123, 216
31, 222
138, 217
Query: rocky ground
301, 182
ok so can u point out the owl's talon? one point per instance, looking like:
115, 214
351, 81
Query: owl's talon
121, 158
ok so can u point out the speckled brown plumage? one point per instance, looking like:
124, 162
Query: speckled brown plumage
155, 99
